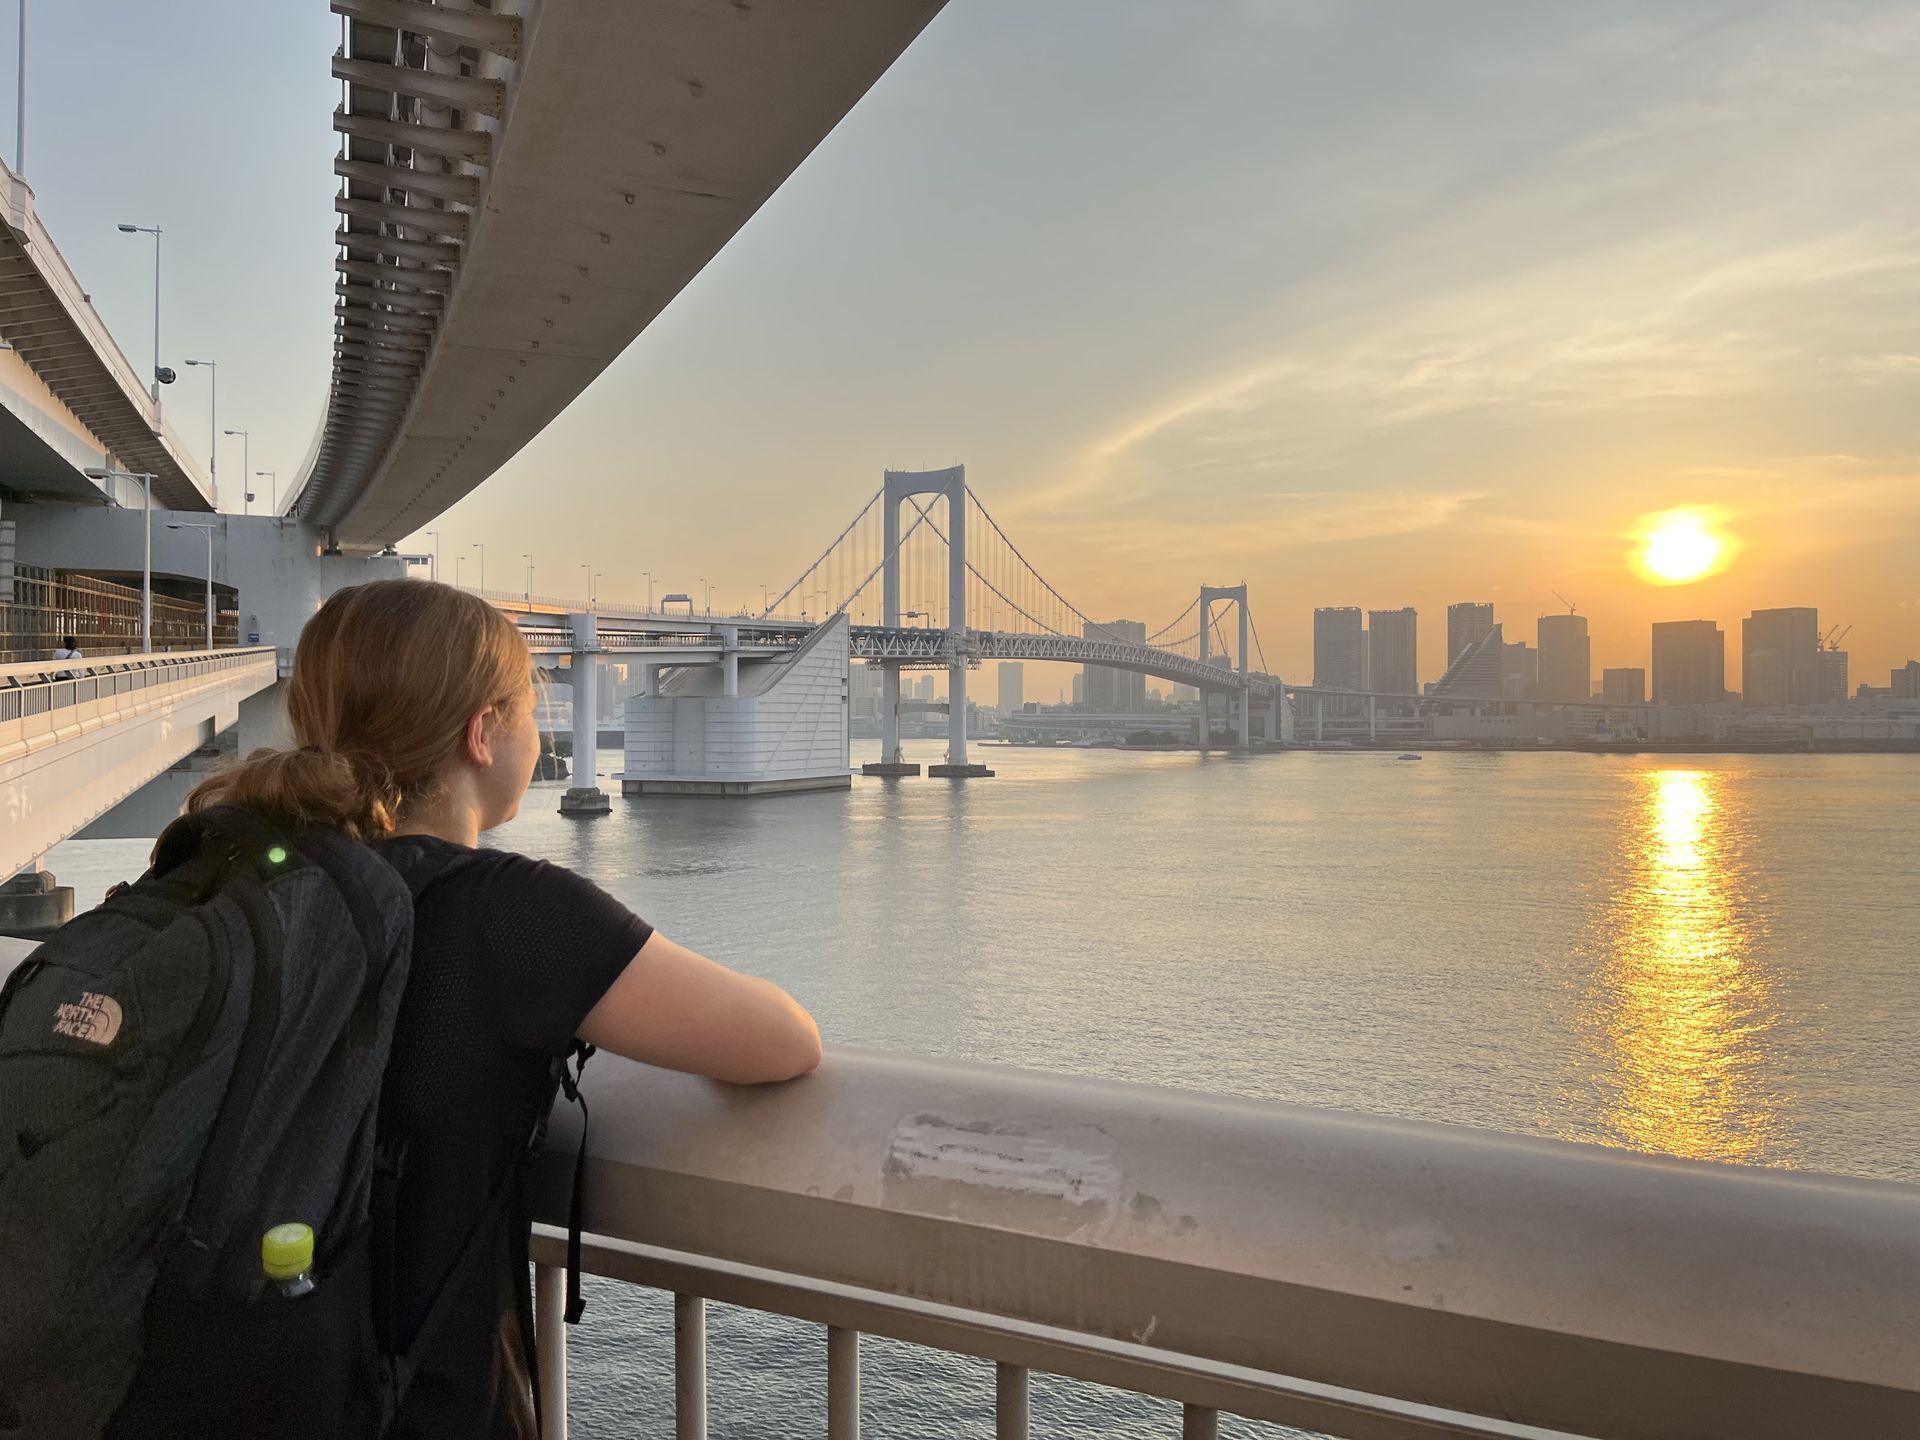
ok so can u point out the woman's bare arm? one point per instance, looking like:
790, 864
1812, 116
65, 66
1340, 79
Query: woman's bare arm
674, 1008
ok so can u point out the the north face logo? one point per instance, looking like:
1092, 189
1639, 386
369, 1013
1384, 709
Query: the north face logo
93, 1018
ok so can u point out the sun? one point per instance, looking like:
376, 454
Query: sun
1681, 546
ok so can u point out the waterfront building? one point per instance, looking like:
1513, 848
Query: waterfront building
1393, 652
1339, 648
1467, 622
1477, 672
1780, 656
1624, 685
1519, 670
1107, 689
863, 691
1012, 678
1689, 662
1830, 678
1904, 683
1566, 658
1080, 688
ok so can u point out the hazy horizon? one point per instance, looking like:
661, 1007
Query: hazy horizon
1365, 306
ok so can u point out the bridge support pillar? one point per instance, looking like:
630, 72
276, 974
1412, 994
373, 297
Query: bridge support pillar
584, 796
33, 904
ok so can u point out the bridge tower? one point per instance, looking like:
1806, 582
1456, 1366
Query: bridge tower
901, 485
1210, 595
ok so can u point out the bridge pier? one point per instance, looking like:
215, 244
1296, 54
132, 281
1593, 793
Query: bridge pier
585, 797
33, 904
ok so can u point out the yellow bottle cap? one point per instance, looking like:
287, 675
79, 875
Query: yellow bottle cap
286, 1251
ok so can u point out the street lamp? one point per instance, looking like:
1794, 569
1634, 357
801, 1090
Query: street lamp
20, 91
706, 595
458, 561
483, 568
273, 488
208, 530
433, 567
649, 575
529, 582
588, 567
160, 377
213, 426
145, 477
246, 467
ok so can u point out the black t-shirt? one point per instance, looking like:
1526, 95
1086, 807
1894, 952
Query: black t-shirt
509, 955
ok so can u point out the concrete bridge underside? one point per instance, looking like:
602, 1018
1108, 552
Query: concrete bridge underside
523, 196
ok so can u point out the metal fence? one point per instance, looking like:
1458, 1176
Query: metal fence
40, 686
103, 615
1358, 1276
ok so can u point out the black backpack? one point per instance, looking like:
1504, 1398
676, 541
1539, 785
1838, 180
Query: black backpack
193, 1062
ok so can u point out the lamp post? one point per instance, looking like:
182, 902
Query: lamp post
153, 230
208, 531
20, 91
246, 467
529, 579
649, 575
588, 567
483, 568
213, 426
458, 561
273, 488
706, 595
433, 565
146, 569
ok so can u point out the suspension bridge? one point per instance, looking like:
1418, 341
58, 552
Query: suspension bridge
925, 577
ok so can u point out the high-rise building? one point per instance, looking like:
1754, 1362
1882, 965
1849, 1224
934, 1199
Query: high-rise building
1519, 670
1831, 676
863, 691
1339, 640
1080, 688
1109, 691
1780, 656
1475, 673
1566, 659
1689, 663
1467, 622
1013, 686
1624, 685
1905, 682
1393, 651
923, 688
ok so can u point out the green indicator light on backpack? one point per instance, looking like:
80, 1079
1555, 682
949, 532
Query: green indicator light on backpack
286, 1255
277, 855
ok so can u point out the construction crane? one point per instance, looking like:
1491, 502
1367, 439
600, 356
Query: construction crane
1831, 640
1571, 607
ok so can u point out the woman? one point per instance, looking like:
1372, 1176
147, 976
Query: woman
412, 707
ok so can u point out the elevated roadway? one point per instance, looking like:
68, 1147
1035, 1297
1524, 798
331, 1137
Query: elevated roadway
69, 399
523, 193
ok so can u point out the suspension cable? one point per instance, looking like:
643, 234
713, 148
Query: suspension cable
872, 501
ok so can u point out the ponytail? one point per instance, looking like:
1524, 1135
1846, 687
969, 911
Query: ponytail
385, 679
308, 786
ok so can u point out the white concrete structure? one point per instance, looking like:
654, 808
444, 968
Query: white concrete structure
71, 749
750, 726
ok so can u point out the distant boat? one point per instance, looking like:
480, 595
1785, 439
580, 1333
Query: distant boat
1408, 756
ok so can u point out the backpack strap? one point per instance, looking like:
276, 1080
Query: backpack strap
570, 1085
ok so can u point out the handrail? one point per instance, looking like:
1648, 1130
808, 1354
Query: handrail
1439, 1279
33, 672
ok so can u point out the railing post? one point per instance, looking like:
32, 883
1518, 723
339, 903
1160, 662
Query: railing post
689, 1368
843, 1384
1199, 1422
550, 1339
1009, 1402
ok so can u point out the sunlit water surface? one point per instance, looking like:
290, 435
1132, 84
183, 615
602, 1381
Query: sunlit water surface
1714, 956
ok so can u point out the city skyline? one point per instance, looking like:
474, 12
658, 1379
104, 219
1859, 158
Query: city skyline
1593, 268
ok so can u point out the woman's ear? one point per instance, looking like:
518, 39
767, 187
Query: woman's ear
477, 743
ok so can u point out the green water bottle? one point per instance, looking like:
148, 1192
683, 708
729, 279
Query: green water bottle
286, 1254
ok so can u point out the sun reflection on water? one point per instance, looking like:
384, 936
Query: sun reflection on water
1681, 1010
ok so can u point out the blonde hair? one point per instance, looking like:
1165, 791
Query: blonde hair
385, 679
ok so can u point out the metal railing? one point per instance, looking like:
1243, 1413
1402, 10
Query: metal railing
1360, 1276
103, 615
43, 686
